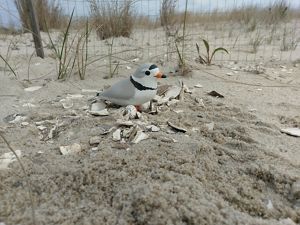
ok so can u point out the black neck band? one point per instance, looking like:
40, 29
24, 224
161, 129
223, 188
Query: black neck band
140, 86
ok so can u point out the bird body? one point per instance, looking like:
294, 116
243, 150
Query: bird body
139, 88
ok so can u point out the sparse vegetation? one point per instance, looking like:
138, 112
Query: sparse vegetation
207, 59
289, 40
112, 18
82, 51
48, 11
256, 42
112, 71
169, 19
66, 60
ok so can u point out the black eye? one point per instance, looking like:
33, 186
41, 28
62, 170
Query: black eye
147, 72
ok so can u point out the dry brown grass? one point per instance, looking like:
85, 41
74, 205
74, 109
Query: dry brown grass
112, 18
48, 11
249, 15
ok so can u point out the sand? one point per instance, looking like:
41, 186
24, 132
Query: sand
243, 171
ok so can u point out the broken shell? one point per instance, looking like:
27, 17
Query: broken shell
145, 107
88, 91
41, 127
15, 118
173, 92
98, 106
53, 132
105, 129
293, 131
29, 105
94, 140
200, 101
127, 132
126, 123
8, 158
33, 88
130, 111
229, 74
172, 102
177, 128
153, 128
210, 126
24, 124
70, 149
74, 96
215, 94
198, 86
98, 109
117, 135
140, 135
103, 112
160, 100
66, 103
186, 89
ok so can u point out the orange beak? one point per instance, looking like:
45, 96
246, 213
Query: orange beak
160, 75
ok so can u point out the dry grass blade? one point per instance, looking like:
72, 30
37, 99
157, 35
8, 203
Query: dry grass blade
26, 175
11, 69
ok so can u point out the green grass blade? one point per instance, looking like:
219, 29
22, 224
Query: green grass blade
217, 50
66, 33
51, 41
179, 54
198, 49
206, 46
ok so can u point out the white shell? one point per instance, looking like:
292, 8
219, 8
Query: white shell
70, 149
210, 126
198, 86
153, 128
177, 128
117, 135
66, 103
98, 109
140, 135
130, 111
173, 92
293, 131
94, 140
33, 88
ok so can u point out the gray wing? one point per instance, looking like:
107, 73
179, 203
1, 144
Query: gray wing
123, 89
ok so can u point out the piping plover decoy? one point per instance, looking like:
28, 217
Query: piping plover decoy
136, 90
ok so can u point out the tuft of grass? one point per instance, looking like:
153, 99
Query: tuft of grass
62, 53
277, 12
82, 51
207, 59
112, 71
256, 42
169, 18
289, 41
48, 12
112, 18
